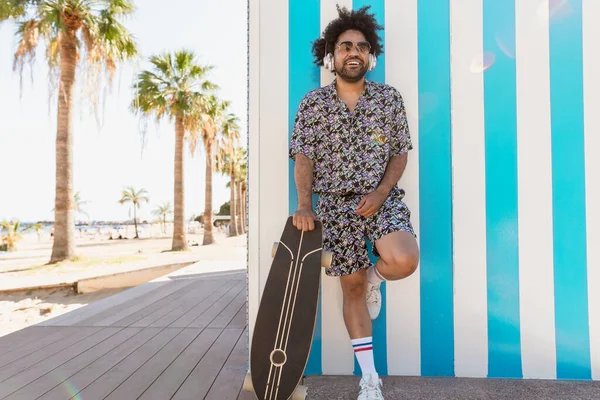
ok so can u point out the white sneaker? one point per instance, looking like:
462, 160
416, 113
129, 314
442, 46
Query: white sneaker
370, 387
373, 300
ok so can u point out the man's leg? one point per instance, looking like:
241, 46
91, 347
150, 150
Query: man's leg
391, 232
398, 259
399, 256
356, 315
357, 320
359, 326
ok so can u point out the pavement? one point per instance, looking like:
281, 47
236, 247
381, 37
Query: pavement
419, 388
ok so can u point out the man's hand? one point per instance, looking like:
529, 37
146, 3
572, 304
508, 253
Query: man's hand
371, 203
304, 219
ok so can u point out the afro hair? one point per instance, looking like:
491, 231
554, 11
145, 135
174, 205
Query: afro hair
358, 20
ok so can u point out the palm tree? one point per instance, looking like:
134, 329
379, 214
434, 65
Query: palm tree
212, 117
176, 87
68, 27
226, 165
162, 212
77, 203
12, 236
130, 195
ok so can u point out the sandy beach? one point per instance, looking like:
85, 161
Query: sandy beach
98, 256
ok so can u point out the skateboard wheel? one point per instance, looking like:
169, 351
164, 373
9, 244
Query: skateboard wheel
300, 393
248, 386
274, 249
326, 259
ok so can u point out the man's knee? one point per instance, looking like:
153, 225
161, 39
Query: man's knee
401, 264
354, 286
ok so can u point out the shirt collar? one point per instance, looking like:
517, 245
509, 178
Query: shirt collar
333, 93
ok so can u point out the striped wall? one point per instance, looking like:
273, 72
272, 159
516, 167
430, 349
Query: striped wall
503, 182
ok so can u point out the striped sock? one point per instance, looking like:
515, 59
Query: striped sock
363, 350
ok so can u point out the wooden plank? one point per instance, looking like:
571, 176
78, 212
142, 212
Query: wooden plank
198, 383
31, 359
191, 315
86, 376
22, 337
62, 373
127, 318
121, 298
108, 382
172, 378
211, 313
241, 318
51, 336
133, 305
189, 305
137, 383
244, 395
231, 377
21, 379
225, 316
177, 308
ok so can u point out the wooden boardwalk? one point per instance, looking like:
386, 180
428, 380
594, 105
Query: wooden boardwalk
185, 337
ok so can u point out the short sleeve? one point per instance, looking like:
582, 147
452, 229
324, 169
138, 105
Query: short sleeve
304, 132
400, 141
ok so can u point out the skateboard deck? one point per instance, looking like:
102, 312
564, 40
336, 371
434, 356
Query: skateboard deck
285, 321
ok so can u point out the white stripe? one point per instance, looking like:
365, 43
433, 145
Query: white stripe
338, 355
253, 165
591, 66
468, 158
536, 265
402, 297
269, 175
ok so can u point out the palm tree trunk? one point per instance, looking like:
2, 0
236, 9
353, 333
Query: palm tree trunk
244, 211
233, 230
135, 222
238, 188
179, 236
245, 204
64, 213
208, 237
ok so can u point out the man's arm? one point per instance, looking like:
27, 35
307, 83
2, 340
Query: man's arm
369, 204
393, 173
303, 174
304, 217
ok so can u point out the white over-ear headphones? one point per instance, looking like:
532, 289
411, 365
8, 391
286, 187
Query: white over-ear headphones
329, 64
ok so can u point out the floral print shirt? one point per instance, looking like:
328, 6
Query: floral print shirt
350, 150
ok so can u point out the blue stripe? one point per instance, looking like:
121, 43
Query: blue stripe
504, 341
568, 195
304, 27
363, 344
435, 189
379, 325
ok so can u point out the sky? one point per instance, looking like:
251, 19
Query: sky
109, 157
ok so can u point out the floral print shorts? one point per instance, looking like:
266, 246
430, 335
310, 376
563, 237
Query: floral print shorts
345, 230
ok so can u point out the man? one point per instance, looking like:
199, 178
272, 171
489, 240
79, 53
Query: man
350, 143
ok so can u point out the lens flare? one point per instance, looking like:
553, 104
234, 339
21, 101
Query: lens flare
506, 42
559, 9
482, 62
551, 11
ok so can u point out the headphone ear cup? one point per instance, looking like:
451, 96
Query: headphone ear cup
372, 61
328, 62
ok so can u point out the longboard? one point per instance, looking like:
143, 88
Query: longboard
285, 321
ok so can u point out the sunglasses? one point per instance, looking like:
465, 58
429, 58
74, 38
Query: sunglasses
347, 46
